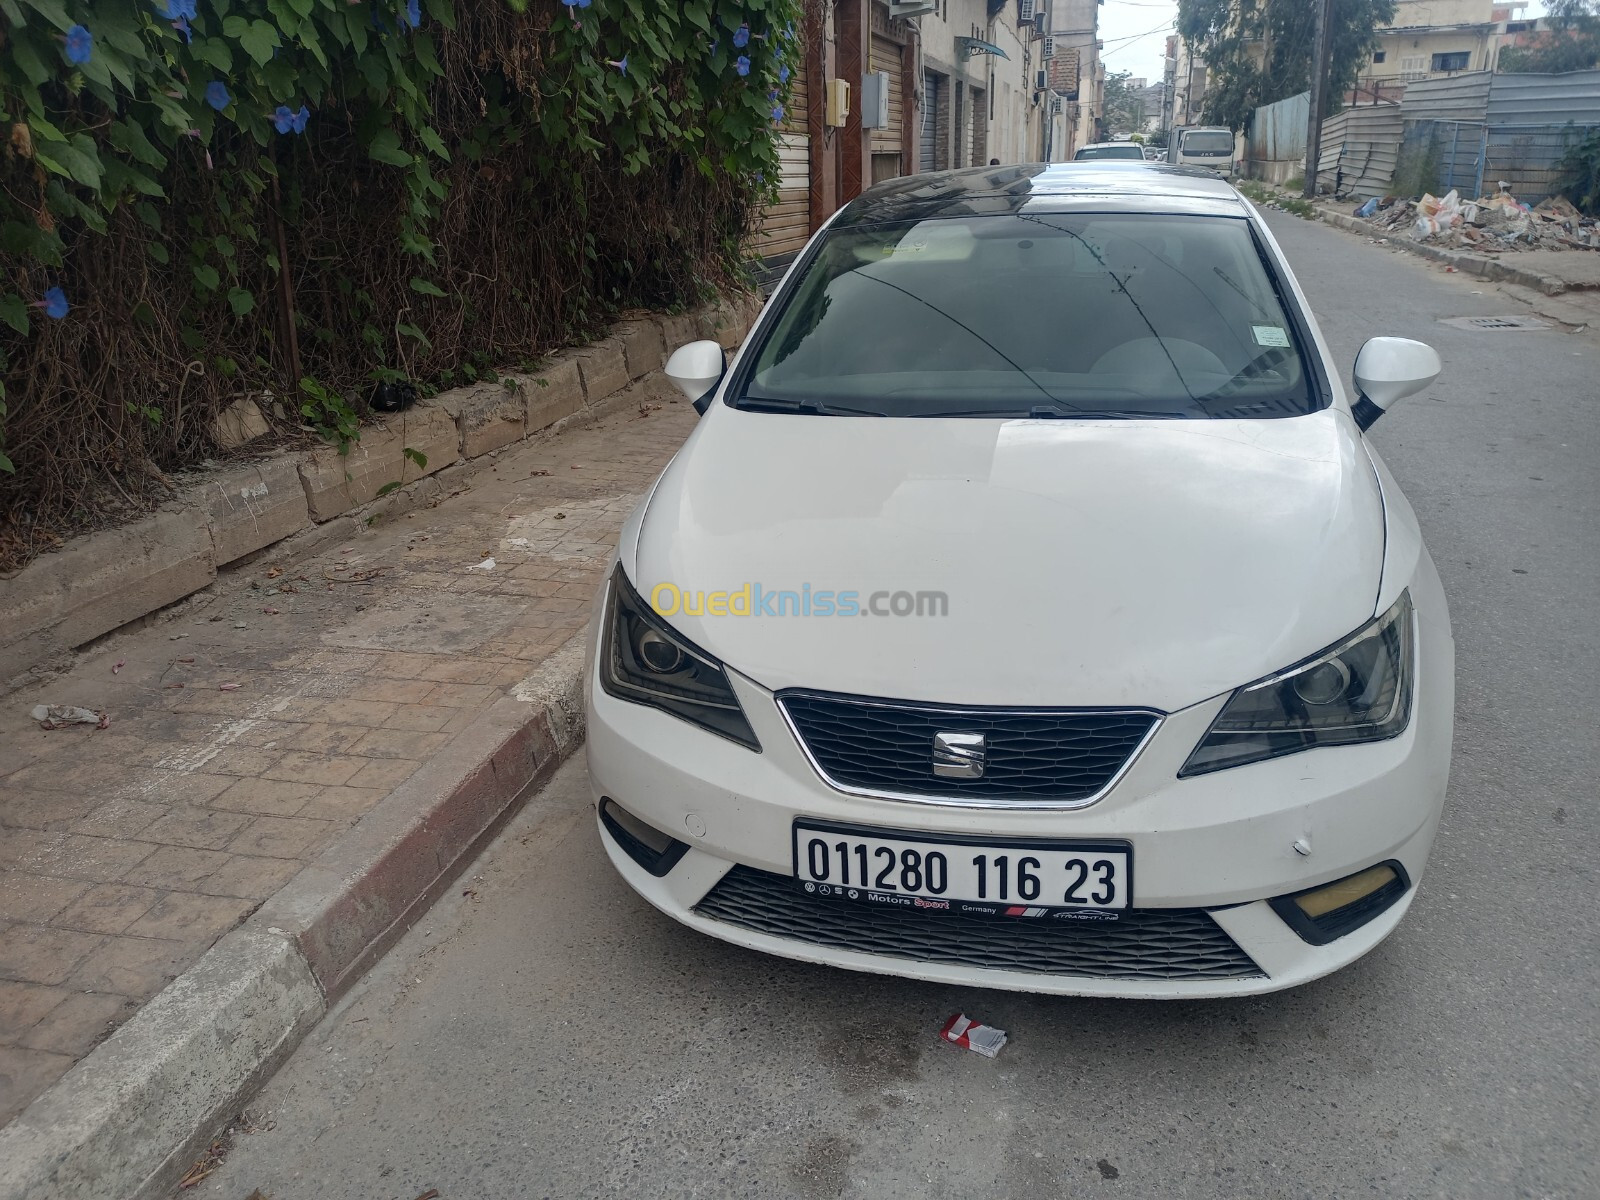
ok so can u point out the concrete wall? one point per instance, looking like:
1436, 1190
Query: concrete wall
100, 582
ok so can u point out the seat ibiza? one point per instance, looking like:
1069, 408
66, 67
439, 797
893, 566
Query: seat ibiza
1028, 608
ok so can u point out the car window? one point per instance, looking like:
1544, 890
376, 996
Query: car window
1090, 152
1132, 314
1208, 141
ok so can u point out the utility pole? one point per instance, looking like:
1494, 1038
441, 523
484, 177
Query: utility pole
1320, 55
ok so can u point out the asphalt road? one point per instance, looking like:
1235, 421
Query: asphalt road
549, 1034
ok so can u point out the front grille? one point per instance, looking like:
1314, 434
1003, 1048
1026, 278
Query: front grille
1041, 754
1142, 943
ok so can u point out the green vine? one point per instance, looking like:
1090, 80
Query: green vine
165, 164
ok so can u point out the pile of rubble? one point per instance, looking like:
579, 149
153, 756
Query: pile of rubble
1488, 225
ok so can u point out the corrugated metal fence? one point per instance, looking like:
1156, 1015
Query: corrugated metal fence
1278, 139
1474, 157
1467, 132
1359, 149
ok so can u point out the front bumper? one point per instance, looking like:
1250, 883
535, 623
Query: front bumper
1224, 842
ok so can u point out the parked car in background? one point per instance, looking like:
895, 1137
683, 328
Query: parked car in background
1029, 609
1209, 146
1130, 151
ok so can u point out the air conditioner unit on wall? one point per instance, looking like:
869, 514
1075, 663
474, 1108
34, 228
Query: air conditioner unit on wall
1040, 19
1049, 49
1024, 11
906, 9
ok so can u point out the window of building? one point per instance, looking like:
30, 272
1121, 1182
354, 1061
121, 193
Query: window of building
1379, 55
1452, 62
1518, 26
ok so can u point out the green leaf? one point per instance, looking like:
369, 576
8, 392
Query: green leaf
214, 51
224, 246
7, 465
385, 148
241, 301
27, 59
419, 284
392, 486
430, 138
158, 252
14, 312
416, 456
69, 160
422, 47
207, 277
234, 28
259, 41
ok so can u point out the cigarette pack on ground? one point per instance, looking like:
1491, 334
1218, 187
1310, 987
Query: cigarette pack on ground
962, 1030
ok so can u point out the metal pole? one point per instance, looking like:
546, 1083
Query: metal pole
1319, 82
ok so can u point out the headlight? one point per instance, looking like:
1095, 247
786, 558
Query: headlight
644, 660
1359, 691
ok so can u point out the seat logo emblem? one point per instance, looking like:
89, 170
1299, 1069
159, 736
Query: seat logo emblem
958, 755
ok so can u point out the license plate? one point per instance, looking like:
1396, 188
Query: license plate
1009, 876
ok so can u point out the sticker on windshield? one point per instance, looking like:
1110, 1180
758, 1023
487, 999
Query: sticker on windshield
1270, 335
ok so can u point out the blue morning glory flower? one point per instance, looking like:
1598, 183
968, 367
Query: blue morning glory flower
80, 46
177, 10
572, 4
777, 112
620, 64
783, 74
54, 303
741, 36
286, 120
413, 13
742, 65
182, 26
217, 95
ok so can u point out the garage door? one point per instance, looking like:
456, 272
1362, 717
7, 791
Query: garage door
927, 150
786, 226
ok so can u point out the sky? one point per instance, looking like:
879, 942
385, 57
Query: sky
1135, 31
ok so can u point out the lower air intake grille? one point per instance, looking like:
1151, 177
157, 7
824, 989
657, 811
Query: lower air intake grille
1147, 943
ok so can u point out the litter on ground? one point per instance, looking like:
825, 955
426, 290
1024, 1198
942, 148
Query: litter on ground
962, 1030
1488, 225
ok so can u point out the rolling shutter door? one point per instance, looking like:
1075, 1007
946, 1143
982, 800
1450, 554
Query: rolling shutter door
786, 226
927, 149
887, 160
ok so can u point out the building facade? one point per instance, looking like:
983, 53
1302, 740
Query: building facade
932, 85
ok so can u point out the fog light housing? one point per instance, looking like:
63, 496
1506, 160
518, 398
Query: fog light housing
653, 850
1325, 913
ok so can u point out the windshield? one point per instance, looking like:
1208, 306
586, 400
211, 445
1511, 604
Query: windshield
1128, 151
1208, 141
1051, 315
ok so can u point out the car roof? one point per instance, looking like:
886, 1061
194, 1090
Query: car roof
1103, 145
1095, 185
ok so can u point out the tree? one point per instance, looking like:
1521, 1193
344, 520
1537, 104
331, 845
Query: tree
1259, 51
1124, 106
1571, 41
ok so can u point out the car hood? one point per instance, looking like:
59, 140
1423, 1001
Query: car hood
1150, 563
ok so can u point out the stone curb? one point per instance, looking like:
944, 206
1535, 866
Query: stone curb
230, 518
1470, 264
130, 1118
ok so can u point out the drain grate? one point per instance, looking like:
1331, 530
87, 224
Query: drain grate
1496, 324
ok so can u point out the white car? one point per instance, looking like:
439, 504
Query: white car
1028, 610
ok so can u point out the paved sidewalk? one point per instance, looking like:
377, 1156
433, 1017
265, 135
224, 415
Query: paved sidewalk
250, 728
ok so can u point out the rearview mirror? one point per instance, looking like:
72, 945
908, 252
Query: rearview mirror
695, 370
1390, 369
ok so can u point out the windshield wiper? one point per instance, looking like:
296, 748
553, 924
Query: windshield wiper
807, 407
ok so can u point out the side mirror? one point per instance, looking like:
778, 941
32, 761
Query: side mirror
695, 370
1390, 369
